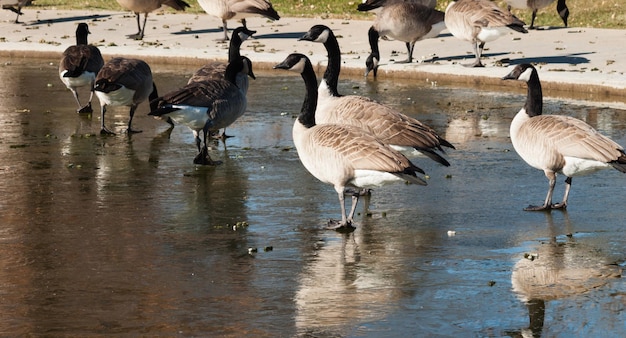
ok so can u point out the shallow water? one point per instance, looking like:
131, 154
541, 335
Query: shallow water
124, 235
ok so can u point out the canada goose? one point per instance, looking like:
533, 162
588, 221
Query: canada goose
216, 69
376, 5
480, 21
536, 5
207, 106
79, 65
124, 82
145, 7
404, 21
402, 132
557, 143
342, 155
15, 6
238, 9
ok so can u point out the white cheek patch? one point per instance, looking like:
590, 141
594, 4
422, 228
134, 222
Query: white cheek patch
243, 36
323, 37
299, 67
525, 76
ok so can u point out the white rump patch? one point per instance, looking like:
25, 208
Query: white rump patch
575, 166
190, 116
491, 33
373, 178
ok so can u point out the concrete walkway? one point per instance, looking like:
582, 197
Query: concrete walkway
584, 60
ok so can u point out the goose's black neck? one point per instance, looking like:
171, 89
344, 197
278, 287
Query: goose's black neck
331, 75
232, 69
373, 36
234, 48
534, 100
307, 113
81, 37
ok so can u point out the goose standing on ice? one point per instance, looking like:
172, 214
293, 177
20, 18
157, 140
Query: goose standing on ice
536, 5
556, 143
216, 69
79, 65
480, 21
343, 155
148, 6
401, 132
207, 106
238, 9
404, 21
124, 82
16, 7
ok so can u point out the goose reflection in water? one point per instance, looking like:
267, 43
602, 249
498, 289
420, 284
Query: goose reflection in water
558, 269
342, 285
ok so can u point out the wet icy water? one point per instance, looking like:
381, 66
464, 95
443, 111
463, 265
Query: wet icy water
124, 235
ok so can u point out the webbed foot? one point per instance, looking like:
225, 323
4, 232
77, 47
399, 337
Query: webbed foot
86, 109
105, 131
339, 226
203, 158
538, 208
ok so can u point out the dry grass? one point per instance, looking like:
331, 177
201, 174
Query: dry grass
583, 13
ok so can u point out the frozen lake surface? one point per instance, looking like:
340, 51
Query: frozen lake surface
125, 235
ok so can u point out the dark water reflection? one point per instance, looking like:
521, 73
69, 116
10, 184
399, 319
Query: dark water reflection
124, 235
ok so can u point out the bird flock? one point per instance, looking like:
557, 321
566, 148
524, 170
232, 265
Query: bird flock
351, 142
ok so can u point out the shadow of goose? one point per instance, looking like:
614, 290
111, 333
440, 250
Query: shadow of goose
569, 59
69, 19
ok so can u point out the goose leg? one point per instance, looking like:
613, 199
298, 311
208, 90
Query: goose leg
561, 7
143, 28
346, 222
532, 20
355, 201
547, 204
75, 94
103, 128
563, 205
136, 35
225, 29
140, 30
87, 108
196, 136
409, 49
478, 52
130, 130
203, 157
